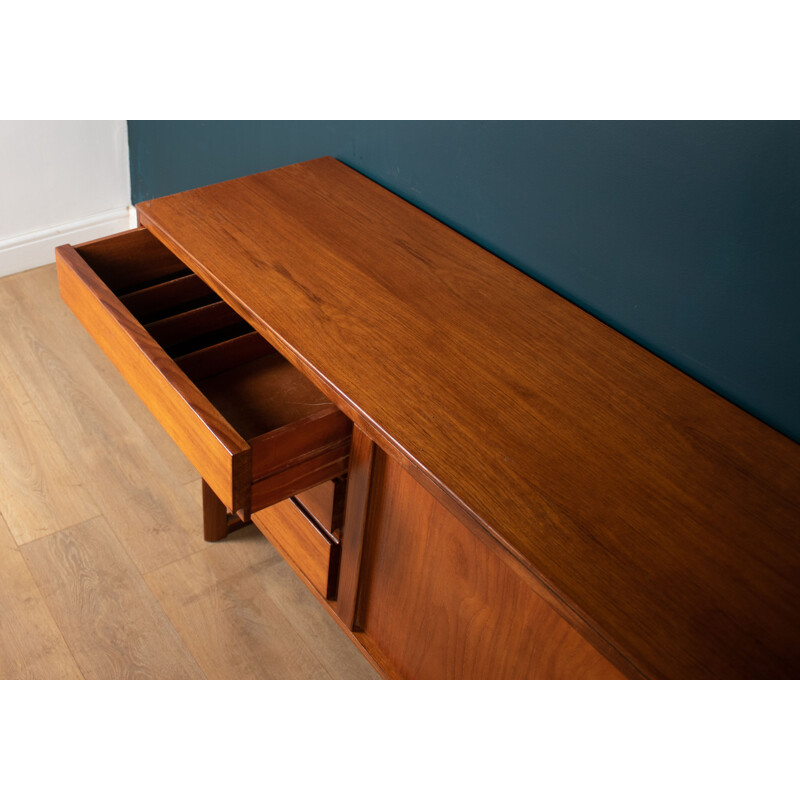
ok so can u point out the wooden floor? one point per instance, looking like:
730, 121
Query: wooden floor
103, 569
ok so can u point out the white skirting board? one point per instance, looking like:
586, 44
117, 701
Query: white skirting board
36, 248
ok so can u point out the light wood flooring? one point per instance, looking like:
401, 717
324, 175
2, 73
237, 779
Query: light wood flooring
104, 573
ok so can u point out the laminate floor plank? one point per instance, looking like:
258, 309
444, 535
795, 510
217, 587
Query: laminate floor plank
319, 631
31, 645
40, 493
38, 292
316, 627
157, 525
127, 479
216, 600
81, 410
195, 490
108, 616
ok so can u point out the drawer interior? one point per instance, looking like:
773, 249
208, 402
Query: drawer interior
277, 410
263, 393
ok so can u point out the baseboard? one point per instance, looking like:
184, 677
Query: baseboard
35, 249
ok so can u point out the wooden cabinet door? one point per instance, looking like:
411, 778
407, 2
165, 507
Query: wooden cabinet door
437, 603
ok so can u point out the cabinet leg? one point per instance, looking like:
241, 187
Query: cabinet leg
217, 523
215, 516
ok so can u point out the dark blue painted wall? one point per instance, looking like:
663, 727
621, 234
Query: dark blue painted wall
683, 235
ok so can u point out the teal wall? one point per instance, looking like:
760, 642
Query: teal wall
685, 236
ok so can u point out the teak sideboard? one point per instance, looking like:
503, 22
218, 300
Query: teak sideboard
477, 478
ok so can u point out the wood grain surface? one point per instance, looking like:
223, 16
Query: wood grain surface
267, 394
112, 623
132, 475
39, 309
217, 600
315, 626
31, 645
40, 492
438, 605
659, 516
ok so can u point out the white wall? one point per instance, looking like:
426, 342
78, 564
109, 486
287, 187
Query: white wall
60, 182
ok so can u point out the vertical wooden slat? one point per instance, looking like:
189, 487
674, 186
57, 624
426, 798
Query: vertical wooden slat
355, 517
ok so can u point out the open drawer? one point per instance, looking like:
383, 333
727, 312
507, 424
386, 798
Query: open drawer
255, 428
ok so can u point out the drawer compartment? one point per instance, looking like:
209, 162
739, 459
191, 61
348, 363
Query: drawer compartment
325, 505
307, 548
255, 428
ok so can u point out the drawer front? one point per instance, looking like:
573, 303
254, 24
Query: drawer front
303, 544
213, 446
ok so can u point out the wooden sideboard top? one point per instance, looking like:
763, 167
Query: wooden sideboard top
662, 517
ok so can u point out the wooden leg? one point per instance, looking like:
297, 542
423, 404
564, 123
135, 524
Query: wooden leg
217, 523
215, 516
